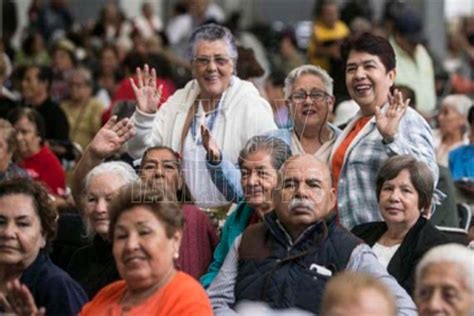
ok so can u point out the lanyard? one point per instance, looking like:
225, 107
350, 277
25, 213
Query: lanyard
209, 123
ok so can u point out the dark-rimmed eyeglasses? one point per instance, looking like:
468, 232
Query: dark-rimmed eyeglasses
314, 95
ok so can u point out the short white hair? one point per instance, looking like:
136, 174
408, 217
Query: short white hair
308, 70
450, 253
460, 102
119, 168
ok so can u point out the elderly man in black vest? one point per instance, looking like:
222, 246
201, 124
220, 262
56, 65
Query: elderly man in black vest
286, 260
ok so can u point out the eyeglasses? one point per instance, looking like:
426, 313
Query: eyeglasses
315, 96
206, 60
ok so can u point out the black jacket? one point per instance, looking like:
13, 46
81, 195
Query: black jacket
420, 238
284, 274
53, 288
93, 266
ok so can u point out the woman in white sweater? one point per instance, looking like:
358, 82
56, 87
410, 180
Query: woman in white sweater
230, 108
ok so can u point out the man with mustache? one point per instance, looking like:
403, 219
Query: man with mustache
286, 260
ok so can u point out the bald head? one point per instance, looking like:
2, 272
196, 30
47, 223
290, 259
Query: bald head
307, 162
304, 195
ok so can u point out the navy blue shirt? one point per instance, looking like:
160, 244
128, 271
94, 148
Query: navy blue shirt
52, 288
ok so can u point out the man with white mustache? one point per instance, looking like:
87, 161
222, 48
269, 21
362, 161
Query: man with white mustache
286, 260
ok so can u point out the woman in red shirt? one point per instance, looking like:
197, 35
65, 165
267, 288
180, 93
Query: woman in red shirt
35, 157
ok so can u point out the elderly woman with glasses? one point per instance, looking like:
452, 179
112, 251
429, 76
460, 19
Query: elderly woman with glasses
309, 91
231, 109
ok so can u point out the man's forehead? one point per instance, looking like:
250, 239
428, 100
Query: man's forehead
304, 168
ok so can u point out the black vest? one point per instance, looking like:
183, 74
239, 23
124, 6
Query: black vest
283, 275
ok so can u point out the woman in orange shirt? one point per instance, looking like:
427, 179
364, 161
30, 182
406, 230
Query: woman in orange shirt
146, 229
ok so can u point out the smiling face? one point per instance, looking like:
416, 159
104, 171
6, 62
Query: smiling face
306, 195
309, 113
20, 231
143, 252
258, 179
213, 77
367, 80
100, 192
398, 201
443, 291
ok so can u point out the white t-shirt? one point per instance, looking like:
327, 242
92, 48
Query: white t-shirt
384, 253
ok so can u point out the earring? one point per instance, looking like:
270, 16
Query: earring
43, 243
176, 255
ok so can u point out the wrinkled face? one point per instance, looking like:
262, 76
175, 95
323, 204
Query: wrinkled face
398, 201
443, 291
79, 88
309, 102
29, 142
258, 179
367, 80
306, 195
369, 302
160, 168
142, 251
100, 192
20, 230
449, 119
212, 67
30, 85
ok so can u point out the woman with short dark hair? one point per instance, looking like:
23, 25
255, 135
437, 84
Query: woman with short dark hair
404, 191
35, 156
146, 227
27, 227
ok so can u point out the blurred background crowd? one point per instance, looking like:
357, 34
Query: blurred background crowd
65, 69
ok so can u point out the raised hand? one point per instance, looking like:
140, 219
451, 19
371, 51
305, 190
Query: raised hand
146, 93
19, 301
111, 137
388, 122
210, 145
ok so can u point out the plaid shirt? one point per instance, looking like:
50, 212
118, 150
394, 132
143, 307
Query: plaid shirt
356, 197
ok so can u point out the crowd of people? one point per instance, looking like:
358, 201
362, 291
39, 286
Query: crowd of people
183, 169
